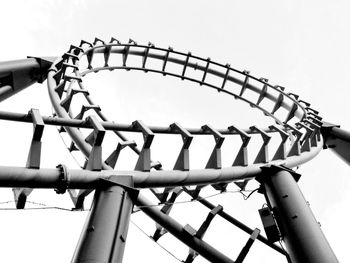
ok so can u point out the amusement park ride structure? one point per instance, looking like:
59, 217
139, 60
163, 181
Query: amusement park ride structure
300, 130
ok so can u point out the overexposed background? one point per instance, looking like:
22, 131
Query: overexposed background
303, 46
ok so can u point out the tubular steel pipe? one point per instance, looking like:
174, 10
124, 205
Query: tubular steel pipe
20, 74
300, 231
104, 234
112, 126
338, 140
83, 179
177, 230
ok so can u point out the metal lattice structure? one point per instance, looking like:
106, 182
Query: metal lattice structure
300, 130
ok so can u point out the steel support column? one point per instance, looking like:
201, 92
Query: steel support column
300, 231
104, 234
338, 140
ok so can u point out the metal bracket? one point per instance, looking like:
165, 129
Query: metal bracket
85, 108
247, 246
62, 72
205, 72
295, 148
94, 162
291, 113
268, 169
185, 65
315, 136
63, 179
242, 155
144, 161
76, 50
263, 155
215, 157
106, 55
263, 91
183, 160
316, 116
306, 141
145, 55
245, 83
281, 152
60, 87
166, 57
67, 101
68, 56
314, 119
126, 51
214, 161
278, 103
113, 158
228, 68
89, 54
160, 231
33, 160
201, 231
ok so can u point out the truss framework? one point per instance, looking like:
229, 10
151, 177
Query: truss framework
117, 191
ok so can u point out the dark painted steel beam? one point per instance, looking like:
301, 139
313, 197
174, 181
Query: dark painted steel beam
104, 234
19, 74
304, 239
338, 140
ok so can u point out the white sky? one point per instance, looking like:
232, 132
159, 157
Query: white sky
303, 46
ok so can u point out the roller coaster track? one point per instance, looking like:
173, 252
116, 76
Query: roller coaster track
298, 127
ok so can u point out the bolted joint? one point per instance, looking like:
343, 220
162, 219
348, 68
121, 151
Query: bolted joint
63, 179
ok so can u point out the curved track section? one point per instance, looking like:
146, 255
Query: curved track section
65, 81
297, 129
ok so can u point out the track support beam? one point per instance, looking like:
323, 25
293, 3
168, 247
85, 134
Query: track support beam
299, 229
104, 234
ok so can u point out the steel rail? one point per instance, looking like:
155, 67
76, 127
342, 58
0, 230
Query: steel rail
211, 71
77, 136
267, 113
112, 126
101, 49
84, 179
